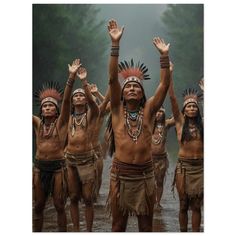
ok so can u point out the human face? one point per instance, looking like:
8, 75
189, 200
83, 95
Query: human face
79, 99
132, 91
191, 110
49, 109
159, 115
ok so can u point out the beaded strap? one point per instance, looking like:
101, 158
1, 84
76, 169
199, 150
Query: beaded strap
70, 82
164, 62
115, 51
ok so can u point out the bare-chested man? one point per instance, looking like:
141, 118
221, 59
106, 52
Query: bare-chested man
159, 152
79, 152
132, 184
103, 110
189, 169
49, 165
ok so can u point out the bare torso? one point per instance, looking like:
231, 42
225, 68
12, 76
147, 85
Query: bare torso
192, 149
159, 140
127, 150
50, 147
81, 139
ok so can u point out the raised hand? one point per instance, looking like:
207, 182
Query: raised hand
201, 84
82, 73
115, 31
74, 67
93, 88
161, 46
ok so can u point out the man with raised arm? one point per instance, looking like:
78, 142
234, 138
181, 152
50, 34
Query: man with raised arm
104, 108
189, 168
79, 152
159, 151
132, 184
49, 164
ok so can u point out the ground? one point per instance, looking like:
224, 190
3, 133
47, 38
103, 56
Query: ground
165, 220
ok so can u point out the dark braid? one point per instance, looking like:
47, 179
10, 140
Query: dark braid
111, 140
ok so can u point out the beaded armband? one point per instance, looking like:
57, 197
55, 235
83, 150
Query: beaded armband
164, 62
115, 51
70, 82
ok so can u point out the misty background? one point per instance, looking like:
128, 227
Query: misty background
63, 32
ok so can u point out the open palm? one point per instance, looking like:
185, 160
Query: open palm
115, 31
160, 44
74, 67
82, 73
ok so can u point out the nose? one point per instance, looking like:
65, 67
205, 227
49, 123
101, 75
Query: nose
131, 87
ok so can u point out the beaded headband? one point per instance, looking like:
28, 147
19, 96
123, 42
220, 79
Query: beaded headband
79, 90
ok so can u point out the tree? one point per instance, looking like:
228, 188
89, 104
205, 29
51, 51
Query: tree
184, 23
63, 32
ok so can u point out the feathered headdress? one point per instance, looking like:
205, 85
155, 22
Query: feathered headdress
50, 92
192, 95
130, 72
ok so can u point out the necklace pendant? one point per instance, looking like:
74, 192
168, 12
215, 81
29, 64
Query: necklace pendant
73, 131
135, 139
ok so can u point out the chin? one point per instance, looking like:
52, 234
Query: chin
49, 116
192, 116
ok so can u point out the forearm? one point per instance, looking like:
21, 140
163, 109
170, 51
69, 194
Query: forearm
173, 101
87, 91
163, 86
99, 96
115, 89
113, 64
103, 106
165, 71
66, 102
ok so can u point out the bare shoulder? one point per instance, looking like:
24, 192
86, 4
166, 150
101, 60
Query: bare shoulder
36, 121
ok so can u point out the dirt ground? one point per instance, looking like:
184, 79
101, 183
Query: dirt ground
165, 220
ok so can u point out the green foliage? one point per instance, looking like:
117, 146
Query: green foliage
63, 32
184, 24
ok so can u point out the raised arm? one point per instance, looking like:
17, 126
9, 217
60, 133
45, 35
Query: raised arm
170, 122
66, 102
82, 74
157, 100
201, 84
36, 122
103, 107
115, 33
174, 104
94, 90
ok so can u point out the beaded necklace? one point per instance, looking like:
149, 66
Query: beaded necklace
78, 120
160, 135
47, 130
137, 117
193, 130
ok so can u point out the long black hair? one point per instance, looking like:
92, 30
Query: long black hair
111, 139
186, 136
